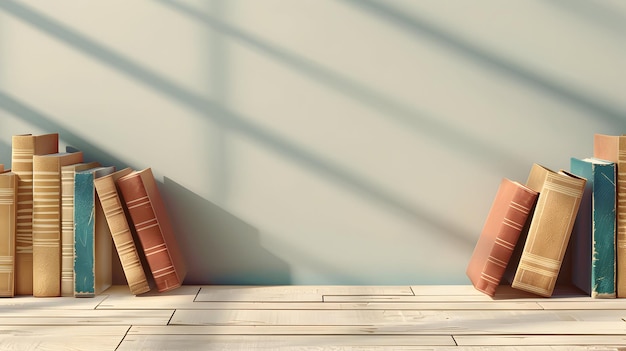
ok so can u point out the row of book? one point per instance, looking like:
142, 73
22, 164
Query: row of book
63, 219
580, 212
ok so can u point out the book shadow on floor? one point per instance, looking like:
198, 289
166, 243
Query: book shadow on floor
219, 248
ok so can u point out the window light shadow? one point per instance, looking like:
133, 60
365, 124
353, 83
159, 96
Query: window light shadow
421, 28
207, 108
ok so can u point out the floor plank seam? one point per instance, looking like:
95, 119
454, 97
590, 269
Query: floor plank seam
123, 337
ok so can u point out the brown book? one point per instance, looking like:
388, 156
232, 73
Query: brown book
8, 215
508, 214
123, 240
67, 224
47, 221
613, 148
151, 221
550, 229
23, 147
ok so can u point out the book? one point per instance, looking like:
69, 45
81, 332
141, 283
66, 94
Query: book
118, 222
613, 148
47, 221
8, 216
67, 225
92, 237
154, 230
509, 212
593, 235
550, 229
23, 147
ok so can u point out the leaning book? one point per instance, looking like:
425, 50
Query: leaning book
8, 205
507, 217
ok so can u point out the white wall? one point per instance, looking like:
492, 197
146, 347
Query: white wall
319, 142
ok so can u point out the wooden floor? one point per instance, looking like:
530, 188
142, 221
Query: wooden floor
314, 318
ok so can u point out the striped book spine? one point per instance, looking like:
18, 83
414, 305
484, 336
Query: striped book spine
47, 221
23, 147
507, 217
8, 206
120, 232
550, 229
151, 221
613, 148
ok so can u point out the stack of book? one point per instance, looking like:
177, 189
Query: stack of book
530, 227
62, 218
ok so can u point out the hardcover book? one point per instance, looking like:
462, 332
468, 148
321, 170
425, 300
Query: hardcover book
121, 233
550, 229
151, 221
593, 236
23, 147
92, 238
47, 221
613, 148
508, 214
67, 225
8, 211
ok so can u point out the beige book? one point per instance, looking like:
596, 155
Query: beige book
47, 221
118, 223
67, 224
550, 228
8, 206
23, 147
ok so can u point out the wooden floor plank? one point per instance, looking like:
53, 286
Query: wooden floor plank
293, 293
96, 338
521, 340
30, 302
366, 305
119, 297
85, 317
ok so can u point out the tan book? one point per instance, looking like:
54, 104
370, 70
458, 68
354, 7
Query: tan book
117, 220
67, 224
8, 215
152, 223
613, 148
550, 229
23, 147
47, 221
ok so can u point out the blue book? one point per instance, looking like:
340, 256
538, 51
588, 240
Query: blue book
92, 238
594, 233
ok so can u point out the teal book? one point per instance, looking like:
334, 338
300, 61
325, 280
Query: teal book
92, 238
593, 237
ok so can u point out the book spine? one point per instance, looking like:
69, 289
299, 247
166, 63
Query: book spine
84, 224
603, 267
549, 233
46, 227
122, 236
621, 217
67, 231
8, 205
149, 232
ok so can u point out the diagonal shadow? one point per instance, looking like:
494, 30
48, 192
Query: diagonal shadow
428, 126
421, 28
47, 123
600, 13
206, 107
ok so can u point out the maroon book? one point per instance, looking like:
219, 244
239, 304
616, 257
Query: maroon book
509, 212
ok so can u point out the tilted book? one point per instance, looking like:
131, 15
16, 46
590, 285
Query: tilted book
92, 238
508, 215
122, 236
8, 215
23, 147
152, 223
593, 236
550, 229
613, 148
67, 225
47, 221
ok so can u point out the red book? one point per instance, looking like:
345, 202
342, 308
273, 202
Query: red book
154, 230
507, 217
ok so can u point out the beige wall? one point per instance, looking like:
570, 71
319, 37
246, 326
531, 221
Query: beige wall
319, 142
